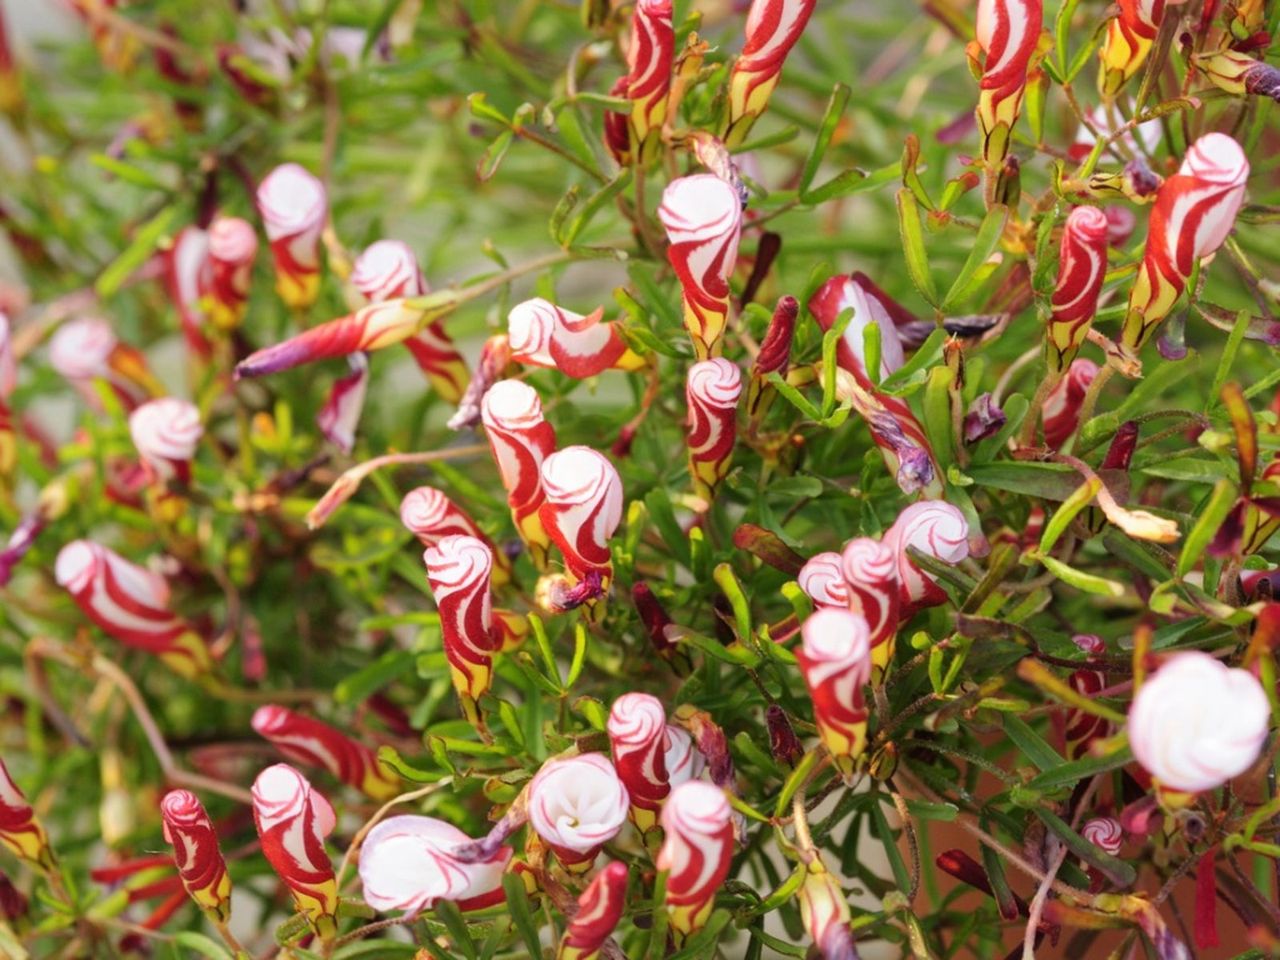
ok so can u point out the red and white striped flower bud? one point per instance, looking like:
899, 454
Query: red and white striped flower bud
407, 863
577, 805
712, 391
1082, 263
617, 127
649, 57
1080, 728
1061, 410
186, 270
166, 433
339, 418
306, 740
1105, 833
130, 604
293, 820
935, 528
294, 208
431, 516
1129, 39
388, 270
683, 760
458, 570
637, 730
703, 218
20, 830
822, 579
1007, 32
1196, 723
697, 851
87, 349
521, 439
835, 658
599, 910
369, 328
233, 245
582, 508
870, 571
824, 912
773, 27
1193, 212
774, 357
542, 334
196, 852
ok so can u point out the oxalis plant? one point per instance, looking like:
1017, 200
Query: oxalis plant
498, 478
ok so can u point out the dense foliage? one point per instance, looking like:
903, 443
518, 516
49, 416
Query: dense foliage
863, 586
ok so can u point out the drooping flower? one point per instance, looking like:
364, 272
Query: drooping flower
1196, 723
131, 604
824, 911
407, 863
370, 328
582, 508
431, 516
712, 390
933, 527
835, 658
196, 852
637, 730
1082, 263
340, 415
307, 740
683, 760
649, 56
822, 579
1129, 39
165, 433
697, 851
293, 820
86, 349
545, 335
458, 569
1007, 32
702, 215
186, 268
521, 439
20, 830
599, 909
233, 245
773, 27
1194, 210
577, 805
294, 207
1061, 410
388, 270
870, 570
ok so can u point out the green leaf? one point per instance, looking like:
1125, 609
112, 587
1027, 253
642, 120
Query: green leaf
1212, 514
880, 824
938, 425
521, 912
447, 913
913, 246
205, 946
1031, 743
915, 370
1120, 873
984, 245
373, 677
1088, 582
1074, 771
594, 204
1067, 512
849, 182
1048, 481
139, 251
826, 129
1229, 351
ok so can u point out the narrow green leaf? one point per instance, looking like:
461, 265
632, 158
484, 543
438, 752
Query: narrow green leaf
984, 245
205, 946
1212, 514
913, 246
521, 912
1088, 582
370, 679
1031, 743
1229, 351
1067, 512
830, 120
849, 182
447, 913
880, 825
1076, 770
144, 244
593, 205
938, 425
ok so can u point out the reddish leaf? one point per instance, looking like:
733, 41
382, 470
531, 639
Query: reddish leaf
765, 545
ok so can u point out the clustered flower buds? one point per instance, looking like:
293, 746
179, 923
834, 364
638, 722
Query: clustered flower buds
431, 516
697, 850
870, 571
521, 439
294, 207
293, 821
542, 334
196, 853
649, 57
577, 805
309, 741
935, 528
822, 579
637, 730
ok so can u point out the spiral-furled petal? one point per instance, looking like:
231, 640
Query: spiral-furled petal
340, 415
702, 215
370, 328
835, 658
823, 580
407, 863
293, 821
1080, 728
130, 604
1082, 263
773, 27
233, 245
1129, 39
196, 852
683, 760
294, 206
1007, 31
387, 270
458, 569
697, 851
824, 911
712, 390
431, 516
582, 508
599, 910
1105, 833
577, 804
649, 56
1061, 410
542, 334
20, 830
637, 730
306, 740
445, 368
166, 433
1196, 722
870, 570
935, 528
86, 349
520, 440
1193, 212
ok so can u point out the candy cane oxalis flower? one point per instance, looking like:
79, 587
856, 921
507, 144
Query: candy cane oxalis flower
697, 851
576, 805
294, 206
195, 851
